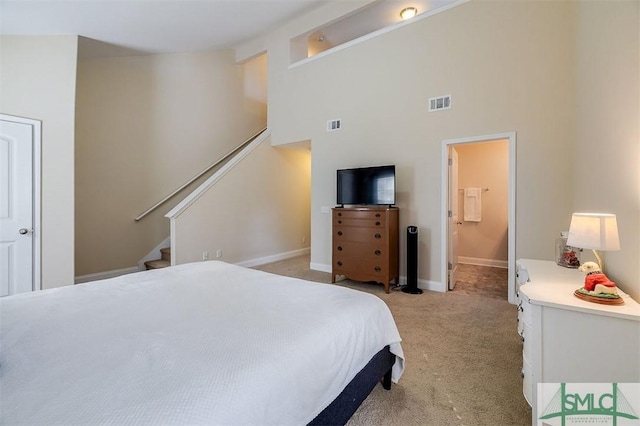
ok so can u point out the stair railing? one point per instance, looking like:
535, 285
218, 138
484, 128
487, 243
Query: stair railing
196, 177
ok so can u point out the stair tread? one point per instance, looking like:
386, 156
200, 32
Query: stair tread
166, 253
157, 264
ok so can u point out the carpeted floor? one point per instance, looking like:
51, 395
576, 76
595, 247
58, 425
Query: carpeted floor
463, 353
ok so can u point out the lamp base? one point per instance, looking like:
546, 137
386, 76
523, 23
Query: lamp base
599, 259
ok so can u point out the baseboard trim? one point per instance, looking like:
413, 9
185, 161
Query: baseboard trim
483, 262
274, 258
105, 275
432, 286
429, 285
247, 264
320, 267
422, 284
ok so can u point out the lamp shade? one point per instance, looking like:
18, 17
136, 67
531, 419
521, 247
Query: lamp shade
597, 231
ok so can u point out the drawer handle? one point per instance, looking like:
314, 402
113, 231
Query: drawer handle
378, 236
339, 214
378, 269
339, 221
339, 248
522, 373
339, 263
377, 214
340, 233
377, 252
377, 223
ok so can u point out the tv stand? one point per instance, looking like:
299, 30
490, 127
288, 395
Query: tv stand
366, 244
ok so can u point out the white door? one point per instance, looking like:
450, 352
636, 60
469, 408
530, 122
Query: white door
453, 222
17, 143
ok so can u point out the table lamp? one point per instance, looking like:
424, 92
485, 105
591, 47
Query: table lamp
595, 231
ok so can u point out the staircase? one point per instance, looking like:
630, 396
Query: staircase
164, 262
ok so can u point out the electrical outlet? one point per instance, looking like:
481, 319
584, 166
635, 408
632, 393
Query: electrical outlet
205, 255
218, 254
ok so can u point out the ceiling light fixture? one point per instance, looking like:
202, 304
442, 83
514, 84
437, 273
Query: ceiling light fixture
408, 13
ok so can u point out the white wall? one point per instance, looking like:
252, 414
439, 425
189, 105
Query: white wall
258, 210
38, 80
501, 78
146, 125
607, 143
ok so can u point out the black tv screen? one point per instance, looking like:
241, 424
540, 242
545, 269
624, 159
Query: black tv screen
367, 185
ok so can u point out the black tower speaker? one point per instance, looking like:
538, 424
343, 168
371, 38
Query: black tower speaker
412, 261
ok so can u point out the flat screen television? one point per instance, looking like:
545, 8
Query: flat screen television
367, 186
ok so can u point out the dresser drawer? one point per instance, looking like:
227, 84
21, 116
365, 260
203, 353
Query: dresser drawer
527, 341
370, 223
345, 266
359, 214
374, 251
525, 311
363, 235
527, 380
520, 323
366, 258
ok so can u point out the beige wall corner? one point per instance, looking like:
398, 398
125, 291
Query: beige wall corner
607, 142
145, 126
260, 208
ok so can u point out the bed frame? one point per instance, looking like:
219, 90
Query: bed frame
343, 407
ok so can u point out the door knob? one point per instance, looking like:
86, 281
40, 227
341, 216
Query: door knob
23, 231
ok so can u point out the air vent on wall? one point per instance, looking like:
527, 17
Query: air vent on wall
333, 125
441, 102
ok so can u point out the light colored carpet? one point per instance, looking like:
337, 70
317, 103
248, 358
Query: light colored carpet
463, 353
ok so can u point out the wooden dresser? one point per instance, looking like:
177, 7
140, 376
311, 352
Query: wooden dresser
365, 244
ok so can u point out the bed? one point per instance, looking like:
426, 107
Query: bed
202, 343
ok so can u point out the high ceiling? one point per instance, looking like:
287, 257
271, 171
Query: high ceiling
123, 27
149, 26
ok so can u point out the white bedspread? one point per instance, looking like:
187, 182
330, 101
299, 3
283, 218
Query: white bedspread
203, 343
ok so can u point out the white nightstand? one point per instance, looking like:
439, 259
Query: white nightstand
569, 340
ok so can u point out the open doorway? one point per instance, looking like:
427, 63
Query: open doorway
478, 199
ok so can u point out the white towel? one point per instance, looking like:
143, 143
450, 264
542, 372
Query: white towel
472, 204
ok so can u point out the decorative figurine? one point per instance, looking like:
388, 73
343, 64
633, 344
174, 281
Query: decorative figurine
597, 287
